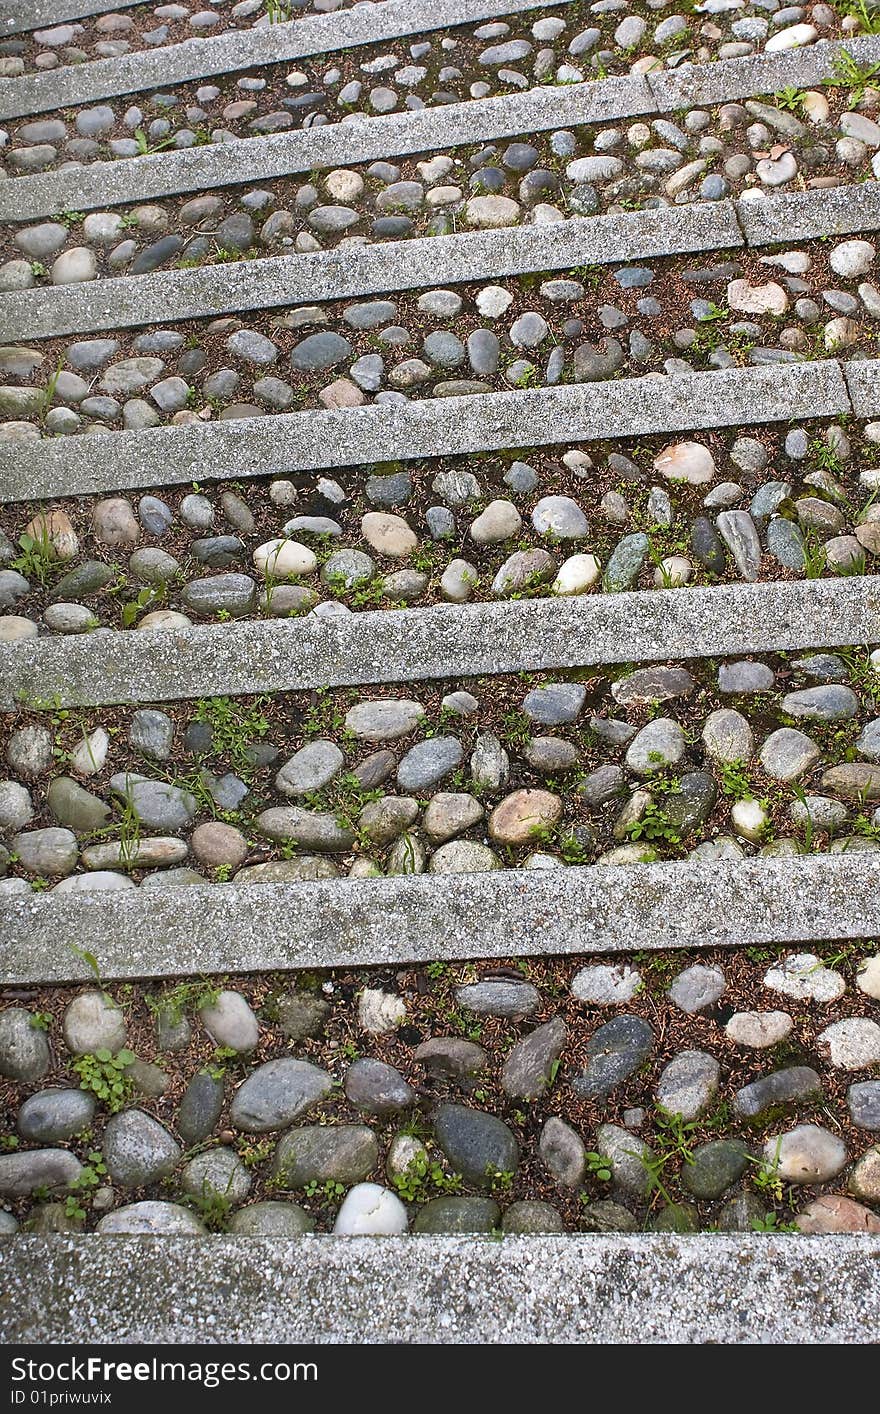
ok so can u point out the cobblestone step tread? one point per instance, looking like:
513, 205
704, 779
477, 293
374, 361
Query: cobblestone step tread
254, 284
418, 644
337, 144
129, 300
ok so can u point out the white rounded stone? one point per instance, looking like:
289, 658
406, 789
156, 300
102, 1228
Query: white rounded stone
746, 298
793, 37
284, 559
380, 1012
806, 1154
74, 266
163, 620
851, 259
868, 977
672, 572
369, 1210
686, 461
758, 1029
14, 628
88, 758
99, 880
815, 106
343, 185
749, 819
853, 1044
577, 574
804, 977
774, 172
388, 534
499, 521
606, 985
493, 301
489, 212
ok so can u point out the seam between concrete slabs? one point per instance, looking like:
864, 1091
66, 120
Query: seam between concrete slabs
318, 440
224, 928
446, 640
243, 49
554, 1289
336, 144
538, 109
863, 384
129, 300
23, 16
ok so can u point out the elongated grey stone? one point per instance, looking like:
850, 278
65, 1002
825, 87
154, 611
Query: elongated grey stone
361, 270
691, 85
446, 640
407, 918
715, 1288
104, 184
19, 16
240, 49
305, 441
863, 382
800, 216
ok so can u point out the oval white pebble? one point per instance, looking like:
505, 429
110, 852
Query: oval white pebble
284, 559
369, 1210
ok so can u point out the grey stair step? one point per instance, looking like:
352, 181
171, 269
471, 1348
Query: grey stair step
254, 927
241, 49
129, 300
712, 1288
394, 135
863, 383
258, 159
445, 640
165, 456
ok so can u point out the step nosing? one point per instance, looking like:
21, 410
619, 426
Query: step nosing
799, 216
23, 16
323, 439
198, 58
411, 918
129, 300
691, 85
126, 301
549, 1289
410, 645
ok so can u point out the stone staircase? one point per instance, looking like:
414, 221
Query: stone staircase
438, 608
